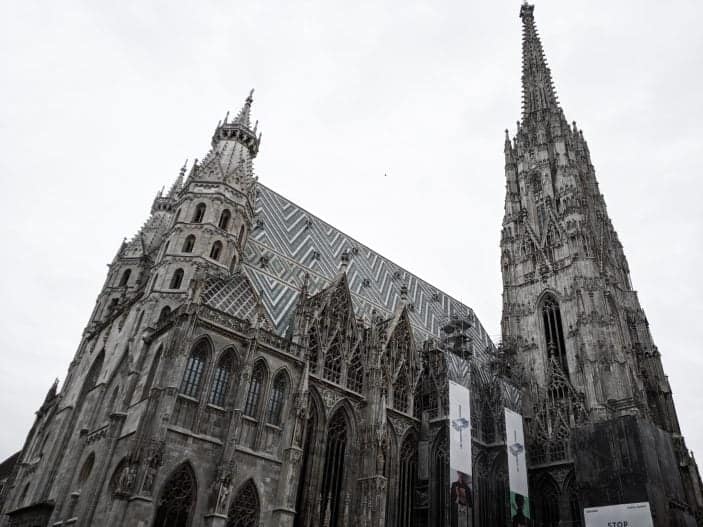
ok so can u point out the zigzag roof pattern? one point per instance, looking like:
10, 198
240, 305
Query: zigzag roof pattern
287, 242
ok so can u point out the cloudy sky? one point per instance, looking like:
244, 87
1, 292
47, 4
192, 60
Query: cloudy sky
102, 102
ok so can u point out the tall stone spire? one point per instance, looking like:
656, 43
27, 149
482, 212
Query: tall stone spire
572, 325
538, 92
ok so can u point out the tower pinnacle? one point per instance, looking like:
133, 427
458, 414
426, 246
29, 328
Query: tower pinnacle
239, 128
538, 92
243, 115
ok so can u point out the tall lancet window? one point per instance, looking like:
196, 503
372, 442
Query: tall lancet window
251, 407
407, 472
195, 367
401, 391
333, 362
277, 399
355, 372
221, 379
331, 510
553, 332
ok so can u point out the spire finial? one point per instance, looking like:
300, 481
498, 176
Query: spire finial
243, 115
538, 92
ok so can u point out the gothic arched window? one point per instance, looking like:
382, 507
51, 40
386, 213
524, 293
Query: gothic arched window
407, 473
277, 399
86, 469
164, 314
177, 499
331, 506
221, 379
313, 351
216, 250
244, 511
251, 406
553, 332
199, 213
333, 362
125, 277
149, 383
177, 279
355, 372
401, 392
189, 243
195, 367
224, 219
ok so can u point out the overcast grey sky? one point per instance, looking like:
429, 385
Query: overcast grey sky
101, 102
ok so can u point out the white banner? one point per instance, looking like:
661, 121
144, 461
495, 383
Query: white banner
517, 469
624, 515
459, 428
515, 441
460, 484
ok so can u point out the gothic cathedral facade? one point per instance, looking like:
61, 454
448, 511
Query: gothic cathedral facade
247, 364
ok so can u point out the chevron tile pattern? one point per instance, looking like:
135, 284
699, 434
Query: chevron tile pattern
287, 242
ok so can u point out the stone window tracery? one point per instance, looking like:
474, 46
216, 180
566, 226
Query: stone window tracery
553, 332
251, 406
407, 473
177, 500
221, 379
195, 367
314, 351
331, 510
355, 372
333, 362
244, 511
277, 399
401, 391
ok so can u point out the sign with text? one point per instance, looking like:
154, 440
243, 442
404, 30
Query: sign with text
517, 469
460, 484
624, 515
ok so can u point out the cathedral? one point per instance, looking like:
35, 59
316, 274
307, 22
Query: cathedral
247, 364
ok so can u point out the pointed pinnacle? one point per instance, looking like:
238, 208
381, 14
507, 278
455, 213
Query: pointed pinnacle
243, 115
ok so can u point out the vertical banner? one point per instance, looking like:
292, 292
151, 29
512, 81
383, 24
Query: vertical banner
460, 484
517, 469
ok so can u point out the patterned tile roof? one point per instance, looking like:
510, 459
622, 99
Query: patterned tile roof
234, 296
287, 242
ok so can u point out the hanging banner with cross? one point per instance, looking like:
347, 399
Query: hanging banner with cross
517, 469
460, 482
